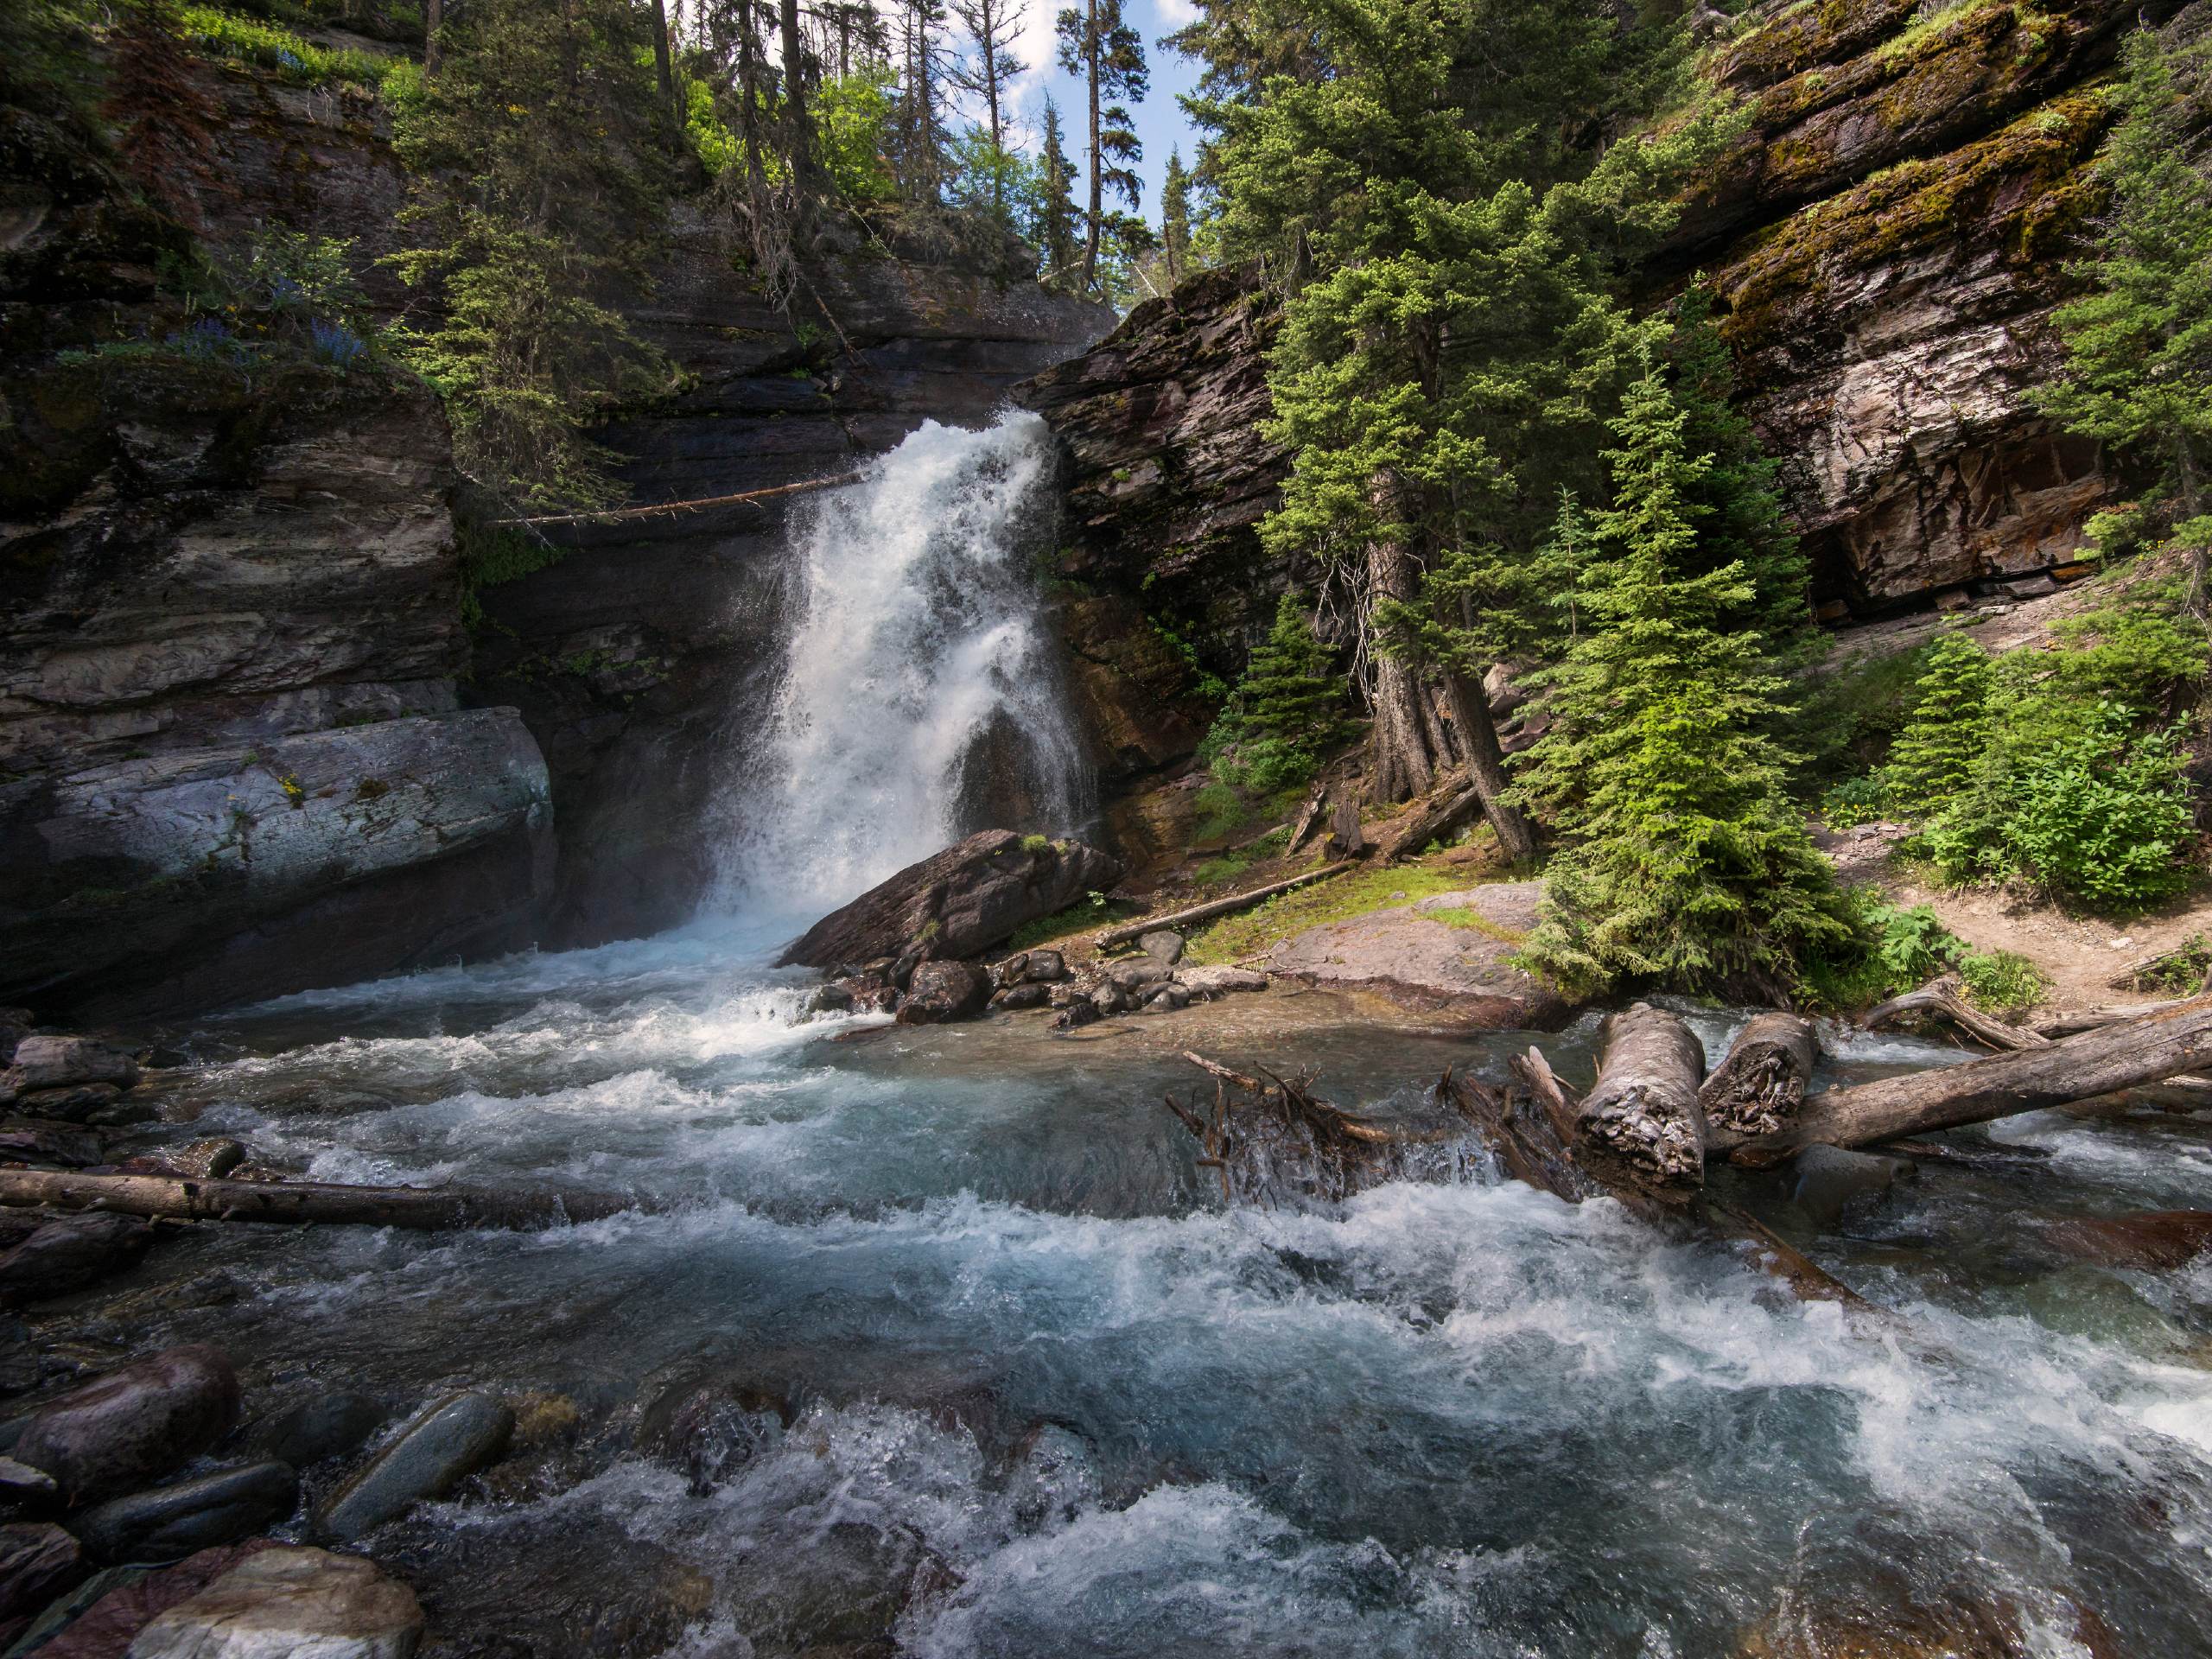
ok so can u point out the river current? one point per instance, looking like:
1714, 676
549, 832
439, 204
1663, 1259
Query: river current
938, 1337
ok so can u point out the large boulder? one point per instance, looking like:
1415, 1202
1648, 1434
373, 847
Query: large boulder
942, 992
134, 1425
170, 1522
285, 1603
959, 903
1451, 956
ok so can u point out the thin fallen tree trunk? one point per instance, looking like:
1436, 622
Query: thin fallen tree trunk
1641, 1121
1762, 1082
427, 1209
2161, 1045
2072, 1022
1445, 810
1129, 933
1309, 816
614, 515
1941, 998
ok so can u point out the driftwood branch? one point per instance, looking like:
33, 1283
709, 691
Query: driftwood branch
1642, 1122
428, 1208
1523, 1133
1940, 998
1309, 816
1128, 933
1762, 1082
2163, 1044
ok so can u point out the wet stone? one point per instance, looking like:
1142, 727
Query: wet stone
446, 1442
1166, 998
290, 1604
195, 1161
940, 993
170, 1522
1163, 946
132, 1425
76, 1102
328, 1426
70, 1254
1046, 967
38, 1562
1830, 1179
1016, 998
45, 1062
50, 1142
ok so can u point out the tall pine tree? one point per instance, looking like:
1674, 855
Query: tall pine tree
1103, 51
1686, 865
1175, 219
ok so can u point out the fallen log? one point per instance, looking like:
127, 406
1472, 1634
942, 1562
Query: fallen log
2163, 1044
1130, 933
1762, 1082
616, 515
1309, 816
427, 1209
1446, 809
1521, 1134
1941, 998
1642, 1122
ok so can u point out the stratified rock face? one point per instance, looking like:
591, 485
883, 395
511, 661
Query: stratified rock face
643, 658
1169, 477
1888, 239
958, 903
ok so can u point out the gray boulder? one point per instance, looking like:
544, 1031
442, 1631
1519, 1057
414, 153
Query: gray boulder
134, 1425
42, 1062
959, 903
168, 1523
1163, 946
1016, 998
289, 1604
942, 992
41, 1140
70, 1254
70, 1103
446, 1442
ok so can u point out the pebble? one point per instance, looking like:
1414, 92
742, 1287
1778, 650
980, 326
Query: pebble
290, 1604
170, 1522
115, 1433
446, 1442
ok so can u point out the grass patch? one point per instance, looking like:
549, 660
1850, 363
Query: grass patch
1460, 916
1095, 912
1227, 867
236, 38
1287, 915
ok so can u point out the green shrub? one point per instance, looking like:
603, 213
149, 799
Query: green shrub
2002, 982
1221, 812
248, 40
1896, 948
1935, 754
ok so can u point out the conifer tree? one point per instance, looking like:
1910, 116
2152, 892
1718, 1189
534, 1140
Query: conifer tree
1175, 219
1107, 55
1685, 864
1054, 231
2138, 369
1934, 759
1287, 711
993, 26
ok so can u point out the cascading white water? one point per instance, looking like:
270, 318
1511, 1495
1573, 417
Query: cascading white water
919, 697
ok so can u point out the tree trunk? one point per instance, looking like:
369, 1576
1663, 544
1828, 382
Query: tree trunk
1097, 185
434, 17
1517, 836
2163, 1044
1455, 801
420, 1208
1404, 760
798, 128
661, 63
1762, 1082
1642, 1121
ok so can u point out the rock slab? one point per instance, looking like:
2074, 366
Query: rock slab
957, 902
290, 1604
70, 1254
1449, 955
447, 1441
134, 1425
170, 1522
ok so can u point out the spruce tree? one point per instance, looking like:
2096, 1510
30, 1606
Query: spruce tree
1055, 226
1102, 51
1934, 757
2139, 346
1685, 864
1287, 711
1175, 218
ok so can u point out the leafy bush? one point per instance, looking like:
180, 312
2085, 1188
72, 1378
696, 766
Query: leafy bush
1896, 948
249, 40
2000, 980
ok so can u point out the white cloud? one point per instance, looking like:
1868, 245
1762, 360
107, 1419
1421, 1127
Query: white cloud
1174, 14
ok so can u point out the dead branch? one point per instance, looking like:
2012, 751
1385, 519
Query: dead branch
1309, 816
1448, 806
1762, 1082
615, 515
1132, 932
1941, 998
428, 1209
1521, 1134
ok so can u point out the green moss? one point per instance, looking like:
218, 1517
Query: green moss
231, 37
1235, 937
1461, 916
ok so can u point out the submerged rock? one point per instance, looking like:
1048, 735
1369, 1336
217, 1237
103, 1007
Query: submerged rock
2154, 1240
38, 1562
134, 1425
328, 1426
447, 1441
70, 1254
959, 903
43, 1140
1830, 1177
942, 992
289, 1604
200, 1160
170, 1522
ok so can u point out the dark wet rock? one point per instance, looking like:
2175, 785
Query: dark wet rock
1066, 993
961, 902
942, 992
1450, 955
200, 1160
1011, 970
20, 1483
1135, 975
1830, 1179
45, 1141
47, 1062
711, 1432
75, 1103
168, 1523
1163, 946
1017, 998
2150, 1239
1163, 998
1083, 1011
134, 1425
15, 1024
20, 1367
326, 1426
859, 993
289, 1602
447, 1441
833, 998
70, 1254
38, 1562
1109, 998
1046, 967
76, 1626
1217, 982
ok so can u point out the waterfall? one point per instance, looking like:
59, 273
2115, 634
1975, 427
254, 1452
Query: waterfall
921, 697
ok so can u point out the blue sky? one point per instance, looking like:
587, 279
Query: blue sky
1160, 120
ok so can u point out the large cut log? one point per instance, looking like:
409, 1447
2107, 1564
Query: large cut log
2163, 1044
1131, 933
1762, 1082
428, 1208
1641, 1121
